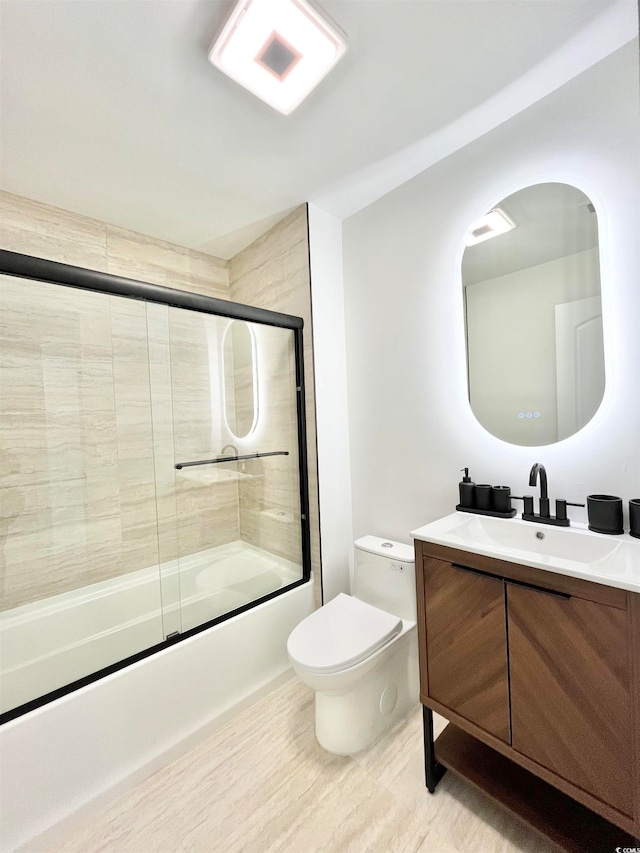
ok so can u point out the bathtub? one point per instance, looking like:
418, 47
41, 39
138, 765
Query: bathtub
113, 732
53, 642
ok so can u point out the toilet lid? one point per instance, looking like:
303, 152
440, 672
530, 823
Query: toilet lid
341, 634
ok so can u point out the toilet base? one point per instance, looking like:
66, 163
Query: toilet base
351, 721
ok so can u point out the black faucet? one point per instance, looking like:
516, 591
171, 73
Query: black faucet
544, 517
539, 470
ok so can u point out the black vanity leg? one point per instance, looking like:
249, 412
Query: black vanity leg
433, 771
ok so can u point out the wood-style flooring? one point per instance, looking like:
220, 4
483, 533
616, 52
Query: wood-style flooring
262, 783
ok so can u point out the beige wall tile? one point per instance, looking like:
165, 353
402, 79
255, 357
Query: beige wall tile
146, 259
32, 228
132, 399
275, 487
208, 275
273, 273
60, 501
163, 447
186, 428
99, 397
58, 556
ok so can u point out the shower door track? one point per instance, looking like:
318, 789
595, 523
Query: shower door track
52, 272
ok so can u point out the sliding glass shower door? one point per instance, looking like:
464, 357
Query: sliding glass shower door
153, 470
227, 462
79, 577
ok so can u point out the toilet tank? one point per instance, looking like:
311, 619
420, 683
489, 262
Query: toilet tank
384, 575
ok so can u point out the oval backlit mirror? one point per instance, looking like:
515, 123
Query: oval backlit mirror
240, 378
533, 315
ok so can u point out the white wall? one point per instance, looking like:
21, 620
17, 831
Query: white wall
334, 468
410, 424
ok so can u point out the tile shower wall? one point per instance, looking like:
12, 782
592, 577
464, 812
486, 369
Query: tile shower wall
199, 433
192, 514
119, 501
269, 498
273, 273
65, 498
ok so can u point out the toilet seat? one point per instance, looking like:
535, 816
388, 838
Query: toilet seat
341, 634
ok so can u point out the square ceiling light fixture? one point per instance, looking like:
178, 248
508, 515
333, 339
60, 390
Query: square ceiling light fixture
278, 49
490, 225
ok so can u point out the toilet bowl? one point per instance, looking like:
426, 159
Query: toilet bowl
360, 656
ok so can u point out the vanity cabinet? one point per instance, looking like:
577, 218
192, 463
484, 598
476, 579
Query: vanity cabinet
571, 703
541, 667
467, 644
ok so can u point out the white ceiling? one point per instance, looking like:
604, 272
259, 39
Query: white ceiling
111, 109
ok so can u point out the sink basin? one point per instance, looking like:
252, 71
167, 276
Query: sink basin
569, 544
575, 551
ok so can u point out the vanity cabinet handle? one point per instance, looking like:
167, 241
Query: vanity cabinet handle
532, 586
476, 571
542, 589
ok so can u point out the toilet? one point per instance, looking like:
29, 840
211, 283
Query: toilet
359, 652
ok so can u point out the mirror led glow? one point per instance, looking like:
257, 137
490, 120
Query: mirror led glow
278, 49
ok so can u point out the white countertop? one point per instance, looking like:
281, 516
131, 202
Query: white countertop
574, 551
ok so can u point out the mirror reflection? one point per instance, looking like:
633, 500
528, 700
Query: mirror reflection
240, 378
531, 280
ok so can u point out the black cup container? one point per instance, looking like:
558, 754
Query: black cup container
483, 496
501, 498
634, 517
605, 513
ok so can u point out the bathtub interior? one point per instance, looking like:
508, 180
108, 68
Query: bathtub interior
222, 579
47, 644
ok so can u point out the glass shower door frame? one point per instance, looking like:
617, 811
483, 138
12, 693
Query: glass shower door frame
52, 272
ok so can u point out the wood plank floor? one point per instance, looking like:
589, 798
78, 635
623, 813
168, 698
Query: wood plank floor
261, 784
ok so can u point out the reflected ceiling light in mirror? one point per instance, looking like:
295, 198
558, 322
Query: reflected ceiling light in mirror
490, 225
278, 49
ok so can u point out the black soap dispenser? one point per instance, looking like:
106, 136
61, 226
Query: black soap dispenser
467, 490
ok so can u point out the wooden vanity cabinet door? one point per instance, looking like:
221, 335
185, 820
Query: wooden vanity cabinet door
571, 702
467, 645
